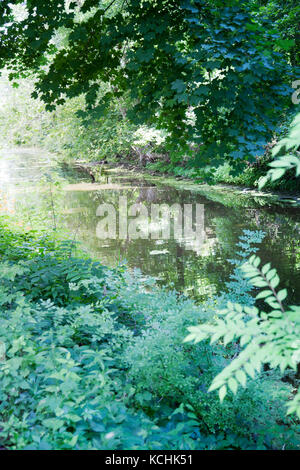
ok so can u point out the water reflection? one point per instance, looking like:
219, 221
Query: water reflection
179, 263
195, 272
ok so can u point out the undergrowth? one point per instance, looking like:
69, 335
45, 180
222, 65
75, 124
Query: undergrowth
95, 358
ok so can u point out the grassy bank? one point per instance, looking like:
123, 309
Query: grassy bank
236, 195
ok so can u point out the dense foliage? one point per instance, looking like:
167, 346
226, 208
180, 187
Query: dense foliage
285, 14
226, 62
270, 338
94, 358
287, 155
115, 139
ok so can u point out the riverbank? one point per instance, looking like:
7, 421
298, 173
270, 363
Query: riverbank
119, 375
97, 169
37, 188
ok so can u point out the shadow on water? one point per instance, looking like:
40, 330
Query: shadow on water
195, 270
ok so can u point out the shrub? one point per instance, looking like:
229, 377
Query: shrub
262, 338
93, 358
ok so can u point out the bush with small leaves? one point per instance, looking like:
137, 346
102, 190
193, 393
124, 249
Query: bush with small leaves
263, 338
289, 147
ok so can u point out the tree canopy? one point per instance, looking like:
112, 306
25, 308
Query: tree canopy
226, 62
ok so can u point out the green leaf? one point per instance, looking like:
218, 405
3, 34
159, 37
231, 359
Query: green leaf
53, 423
271, 274
286, 44
276, 174
241, 377
249, 369
275, 281
222, 393
263, 294
282, 294
178, 86
232, 383
266, 268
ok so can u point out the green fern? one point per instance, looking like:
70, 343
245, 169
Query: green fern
290, 145
271, 337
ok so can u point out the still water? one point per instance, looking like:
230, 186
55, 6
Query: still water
33, 187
